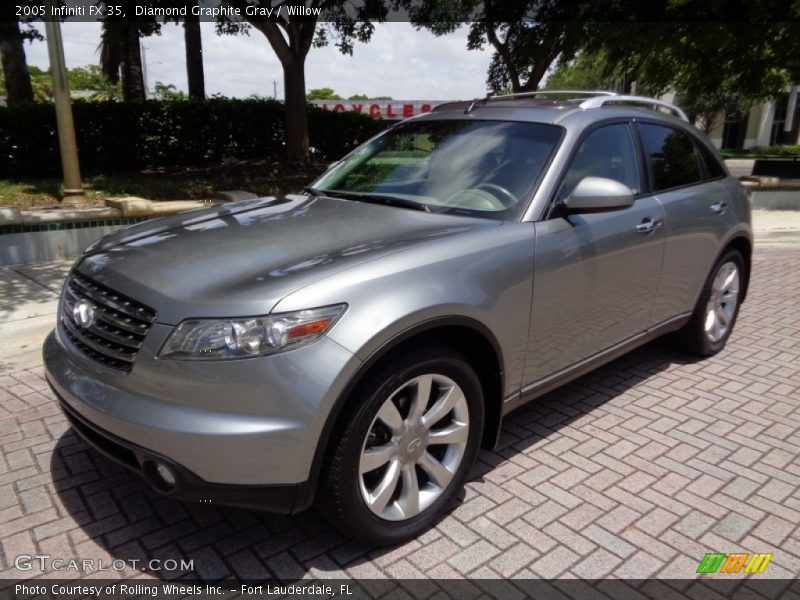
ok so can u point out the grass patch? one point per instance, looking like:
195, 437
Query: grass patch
265, 178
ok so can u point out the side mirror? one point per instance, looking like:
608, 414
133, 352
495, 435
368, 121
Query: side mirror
598, 194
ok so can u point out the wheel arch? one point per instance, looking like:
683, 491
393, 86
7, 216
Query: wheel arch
745, 247
463, 334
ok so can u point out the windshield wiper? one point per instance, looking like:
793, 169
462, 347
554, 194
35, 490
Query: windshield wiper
373, 198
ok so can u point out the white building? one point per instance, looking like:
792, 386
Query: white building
768, 124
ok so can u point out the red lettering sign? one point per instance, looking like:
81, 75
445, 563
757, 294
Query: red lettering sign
398, 109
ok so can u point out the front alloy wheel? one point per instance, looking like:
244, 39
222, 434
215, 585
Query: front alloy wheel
403, 446
414, 447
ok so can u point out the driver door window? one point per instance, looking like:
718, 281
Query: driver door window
606, 152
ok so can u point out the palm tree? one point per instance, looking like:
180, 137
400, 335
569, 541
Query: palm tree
121, 57
194, 56
12, 52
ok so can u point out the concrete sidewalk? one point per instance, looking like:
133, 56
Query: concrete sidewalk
28, 301
776, 226
29, 294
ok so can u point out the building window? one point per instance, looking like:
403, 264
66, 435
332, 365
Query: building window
734, 131
776, 134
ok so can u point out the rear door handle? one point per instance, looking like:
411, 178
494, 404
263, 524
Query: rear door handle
719, 207
648, 225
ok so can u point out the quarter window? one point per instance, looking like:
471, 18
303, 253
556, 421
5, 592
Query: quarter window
672, 156
713, 168
606, 152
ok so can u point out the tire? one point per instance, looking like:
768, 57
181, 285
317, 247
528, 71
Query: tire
390, 443
705, 335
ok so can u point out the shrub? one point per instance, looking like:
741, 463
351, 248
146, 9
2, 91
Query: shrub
786, 150
118, 137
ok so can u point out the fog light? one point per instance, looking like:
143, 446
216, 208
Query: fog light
166, 474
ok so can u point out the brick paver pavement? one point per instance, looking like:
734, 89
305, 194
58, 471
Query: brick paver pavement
635, 470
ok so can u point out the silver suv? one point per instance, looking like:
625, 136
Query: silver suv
357, 343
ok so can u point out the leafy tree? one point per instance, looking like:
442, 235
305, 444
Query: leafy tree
719, 57
167, 91
79, 79
89, 77
324, 93
365, 97
292, 36
41, 84
528, 36
588, 71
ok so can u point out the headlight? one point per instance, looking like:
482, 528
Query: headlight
222, 339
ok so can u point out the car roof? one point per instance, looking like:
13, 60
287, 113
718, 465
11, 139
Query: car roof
567, 108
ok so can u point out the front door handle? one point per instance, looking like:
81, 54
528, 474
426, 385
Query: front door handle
719, 207
648, 225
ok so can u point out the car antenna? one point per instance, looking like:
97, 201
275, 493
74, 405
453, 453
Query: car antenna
476, 102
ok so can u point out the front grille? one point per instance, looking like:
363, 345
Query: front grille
119, 327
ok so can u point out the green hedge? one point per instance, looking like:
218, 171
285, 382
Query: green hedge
117, 137
783, 151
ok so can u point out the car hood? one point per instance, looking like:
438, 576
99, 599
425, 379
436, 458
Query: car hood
241, 258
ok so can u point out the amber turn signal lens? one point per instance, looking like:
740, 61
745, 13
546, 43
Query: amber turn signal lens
304, 329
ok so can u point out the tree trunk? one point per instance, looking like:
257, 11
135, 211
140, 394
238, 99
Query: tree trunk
294, 78
132, 74
194, 57
15, 66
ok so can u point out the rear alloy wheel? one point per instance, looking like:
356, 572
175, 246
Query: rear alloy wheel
716, 311
407, 448
722, 303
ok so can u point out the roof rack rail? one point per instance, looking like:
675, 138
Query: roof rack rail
596, 99
599, 101
550, 92
482, 101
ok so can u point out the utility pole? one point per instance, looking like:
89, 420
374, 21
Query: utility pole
73, 188
274, 90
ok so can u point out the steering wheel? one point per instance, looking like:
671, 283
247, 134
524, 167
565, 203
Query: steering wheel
507, 199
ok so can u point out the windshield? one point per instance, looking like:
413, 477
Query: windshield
477, 168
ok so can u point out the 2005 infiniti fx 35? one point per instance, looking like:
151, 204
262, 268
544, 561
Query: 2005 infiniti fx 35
356, 344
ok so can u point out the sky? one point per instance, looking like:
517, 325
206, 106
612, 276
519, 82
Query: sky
399, 61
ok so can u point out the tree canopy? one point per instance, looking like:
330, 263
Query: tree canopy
291, 36
324, 93
719, 57
527, 36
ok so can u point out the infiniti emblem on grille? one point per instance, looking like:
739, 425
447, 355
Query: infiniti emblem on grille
83, 313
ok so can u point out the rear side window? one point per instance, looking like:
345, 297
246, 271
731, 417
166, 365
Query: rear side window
713, 168
672, 156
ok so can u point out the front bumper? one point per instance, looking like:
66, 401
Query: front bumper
228, 429
187, 485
